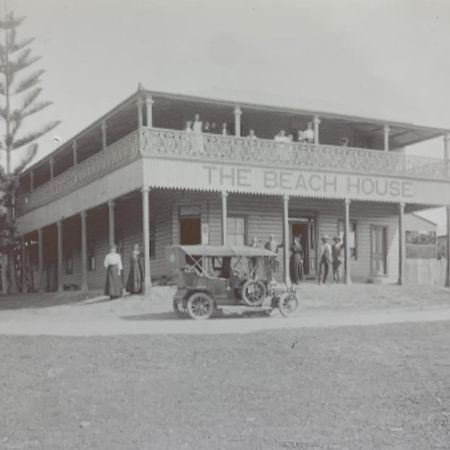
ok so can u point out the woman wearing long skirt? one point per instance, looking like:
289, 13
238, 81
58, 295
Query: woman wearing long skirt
114, 267
136, 275
296, 261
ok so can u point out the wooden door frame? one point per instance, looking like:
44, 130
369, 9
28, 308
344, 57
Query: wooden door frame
386, 271
314, 215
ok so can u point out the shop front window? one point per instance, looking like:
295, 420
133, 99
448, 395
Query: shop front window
236, 230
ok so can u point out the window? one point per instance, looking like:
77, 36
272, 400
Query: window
236, 230
68, 264
421, 238
91, 259
352, 238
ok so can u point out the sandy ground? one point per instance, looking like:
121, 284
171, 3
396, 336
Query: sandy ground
378, 387
329, 305
308, 382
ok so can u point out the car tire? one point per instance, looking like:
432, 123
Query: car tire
288, 304
179, 309
253, 293
200, 306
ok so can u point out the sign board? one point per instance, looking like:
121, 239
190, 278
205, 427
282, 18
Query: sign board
294, 182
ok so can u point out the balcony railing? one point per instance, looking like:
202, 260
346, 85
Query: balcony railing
121, 152
175, 144
217, 148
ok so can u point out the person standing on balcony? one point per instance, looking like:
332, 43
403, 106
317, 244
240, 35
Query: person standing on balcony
281, 137
197, 137
325, 259
114, 267
296, 264
308, 134
136, 275
337, 250
251, 134
224, 129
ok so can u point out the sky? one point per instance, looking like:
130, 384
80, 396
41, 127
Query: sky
386, 59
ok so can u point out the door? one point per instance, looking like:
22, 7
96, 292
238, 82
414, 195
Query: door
378, 250
305, 228
190, 230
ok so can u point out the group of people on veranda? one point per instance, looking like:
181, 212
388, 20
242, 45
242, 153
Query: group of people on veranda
331, 259
114, 286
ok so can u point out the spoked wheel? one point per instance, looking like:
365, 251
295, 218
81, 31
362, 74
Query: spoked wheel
179, 309
288, 303
253, 293
200, 306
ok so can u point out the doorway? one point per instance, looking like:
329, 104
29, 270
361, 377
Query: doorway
305, 227
190, 230
378, 250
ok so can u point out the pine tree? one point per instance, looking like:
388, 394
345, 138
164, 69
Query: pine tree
19, 99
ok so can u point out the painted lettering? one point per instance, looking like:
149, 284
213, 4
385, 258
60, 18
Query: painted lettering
227, 175
285, 180
330, 183
270, 179
407, 189
312, 185
243, 179
353, 185
210, 170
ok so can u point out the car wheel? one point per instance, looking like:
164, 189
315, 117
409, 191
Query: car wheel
200, 306
253, 293
288, 303
179, 309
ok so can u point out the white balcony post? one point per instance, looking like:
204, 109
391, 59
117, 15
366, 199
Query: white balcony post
146, 238
59, 226
139, 105
24, 265
401, 244
104, 136
447, 271
75, 152
348, 277
286, 244
237, 121
84, 283
149, 110
111, 221
316, 129
387, 131
224, 218
447, 153
40, 260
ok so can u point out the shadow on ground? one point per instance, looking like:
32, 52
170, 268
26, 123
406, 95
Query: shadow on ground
47, 299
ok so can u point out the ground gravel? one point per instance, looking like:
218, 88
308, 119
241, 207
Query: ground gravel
375, 387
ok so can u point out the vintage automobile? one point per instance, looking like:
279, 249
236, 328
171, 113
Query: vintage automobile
213, 277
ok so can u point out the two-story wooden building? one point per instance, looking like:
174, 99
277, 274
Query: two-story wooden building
137, 175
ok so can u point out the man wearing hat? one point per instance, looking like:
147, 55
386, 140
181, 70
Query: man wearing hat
325, 259
337, 258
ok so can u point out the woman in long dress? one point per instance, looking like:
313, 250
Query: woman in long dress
114, 267
297, 261
136, 275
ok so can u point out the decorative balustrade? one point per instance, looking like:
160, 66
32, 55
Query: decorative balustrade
175, 144
180, 144
121, 152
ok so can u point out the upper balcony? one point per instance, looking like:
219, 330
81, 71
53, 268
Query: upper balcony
163, 143
147, 125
